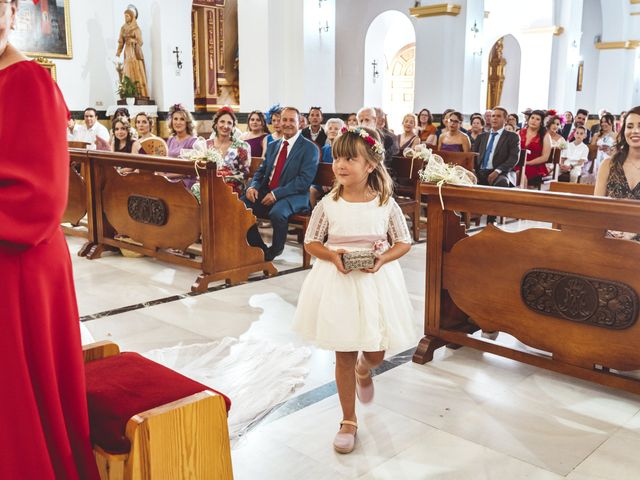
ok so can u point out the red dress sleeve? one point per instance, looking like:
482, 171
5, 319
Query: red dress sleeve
34, 159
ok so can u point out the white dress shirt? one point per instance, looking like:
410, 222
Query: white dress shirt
84, 134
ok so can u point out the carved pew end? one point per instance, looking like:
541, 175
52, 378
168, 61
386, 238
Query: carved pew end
148, 421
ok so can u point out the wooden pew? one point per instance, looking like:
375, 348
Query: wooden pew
80, 211
136, 436
532, 284
163, 219
324, 178
575, 188
407, 191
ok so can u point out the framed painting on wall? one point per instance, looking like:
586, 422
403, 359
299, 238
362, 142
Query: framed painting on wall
43, 29
49, 66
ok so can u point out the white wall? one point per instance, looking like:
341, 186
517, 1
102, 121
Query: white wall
283, 56
90, 78
511, 86
591, 27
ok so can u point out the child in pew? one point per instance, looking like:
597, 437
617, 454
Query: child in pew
574, 157
365, 309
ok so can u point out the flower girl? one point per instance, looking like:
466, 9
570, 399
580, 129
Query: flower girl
355, 298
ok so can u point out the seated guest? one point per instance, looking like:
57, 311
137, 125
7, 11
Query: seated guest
122, 141
274, 119
408, 138
580, 120
535, 139
352, 120
619, 175
574, 157
332, 127
280, 187
367, 117
477, 126
72, 130
236, 153
452, 139
303, 122
443, 124
514, 120
509, 128
526, 113
595, 128
93, 132
620, 121
568, 124
257, 131
605, 139
143, 124
426, 128
182, 126
498, 151
487, 120
314, 131
553, 130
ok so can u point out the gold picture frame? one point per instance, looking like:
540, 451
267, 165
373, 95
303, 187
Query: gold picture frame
43, 33
580, 75
48, 65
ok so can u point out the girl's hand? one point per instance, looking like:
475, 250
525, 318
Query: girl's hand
336, 259
376, 265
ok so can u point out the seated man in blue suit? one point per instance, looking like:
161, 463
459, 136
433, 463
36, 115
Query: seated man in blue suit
280, 187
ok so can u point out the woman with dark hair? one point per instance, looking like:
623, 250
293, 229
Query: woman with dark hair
514, 120
619, 175
426, 127
236, 153
352, 120
121, 136
452, 139
567, 124
605, 139
477, 126
182, 125
534, 138
276, 124
43, 406
553, 130
257, 130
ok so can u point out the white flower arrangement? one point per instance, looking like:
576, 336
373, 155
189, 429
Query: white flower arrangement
562, 144
419, 152
200, 153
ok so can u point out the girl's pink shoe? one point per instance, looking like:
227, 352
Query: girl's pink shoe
345, 442
364, 393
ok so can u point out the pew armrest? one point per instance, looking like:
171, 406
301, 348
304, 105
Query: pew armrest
99, 350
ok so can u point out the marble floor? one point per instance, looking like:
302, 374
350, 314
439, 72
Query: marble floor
465, 415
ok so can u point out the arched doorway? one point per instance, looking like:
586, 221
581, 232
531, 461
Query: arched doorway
389, 65
503, 75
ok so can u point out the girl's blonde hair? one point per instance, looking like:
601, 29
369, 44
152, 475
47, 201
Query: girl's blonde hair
349, 145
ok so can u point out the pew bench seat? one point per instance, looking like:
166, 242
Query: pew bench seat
148, 421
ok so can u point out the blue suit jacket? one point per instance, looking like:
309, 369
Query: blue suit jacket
297, 175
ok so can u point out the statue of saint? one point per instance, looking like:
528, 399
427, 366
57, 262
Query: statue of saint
130, 41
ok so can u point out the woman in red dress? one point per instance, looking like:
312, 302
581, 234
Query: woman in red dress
43, 409
535, 139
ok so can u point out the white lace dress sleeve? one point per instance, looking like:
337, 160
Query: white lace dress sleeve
398, 229
318, 225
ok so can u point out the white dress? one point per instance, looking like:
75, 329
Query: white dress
357, 311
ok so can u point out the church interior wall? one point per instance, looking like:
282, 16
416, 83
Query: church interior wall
591, 30
511, 87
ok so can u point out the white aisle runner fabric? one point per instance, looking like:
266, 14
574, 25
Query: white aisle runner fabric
255, 374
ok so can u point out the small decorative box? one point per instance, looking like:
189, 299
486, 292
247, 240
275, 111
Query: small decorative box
358, 260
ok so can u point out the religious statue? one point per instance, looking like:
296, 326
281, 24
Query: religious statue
497, 65
130, 41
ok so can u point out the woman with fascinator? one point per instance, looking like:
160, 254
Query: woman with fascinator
130, 41
43, 406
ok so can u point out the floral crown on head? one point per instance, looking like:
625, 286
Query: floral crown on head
177, 107
376, 146
226, 109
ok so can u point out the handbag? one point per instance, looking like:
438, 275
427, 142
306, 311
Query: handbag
358, 260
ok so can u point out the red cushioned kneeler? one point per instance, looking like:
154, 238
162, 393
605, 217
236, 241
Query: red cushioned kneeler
121, 386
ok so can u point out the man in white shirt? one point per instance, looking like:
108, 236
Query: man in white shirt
92, 132
574, 156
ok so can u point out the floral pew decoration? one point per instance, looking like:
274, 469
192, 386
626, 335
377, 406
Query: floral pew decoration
436, 171
201, 154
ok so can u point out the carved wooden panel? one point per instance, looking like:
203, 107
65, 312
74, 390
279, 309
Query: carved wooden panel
579, 298
151, 210
484, 278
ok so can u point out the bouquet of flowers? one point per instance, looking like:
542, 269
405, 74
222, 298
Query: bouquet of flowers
201, 153
562, 144
420, 152
439, 172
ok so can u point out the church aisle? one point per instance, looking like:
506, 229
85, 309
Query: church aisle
464, 415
